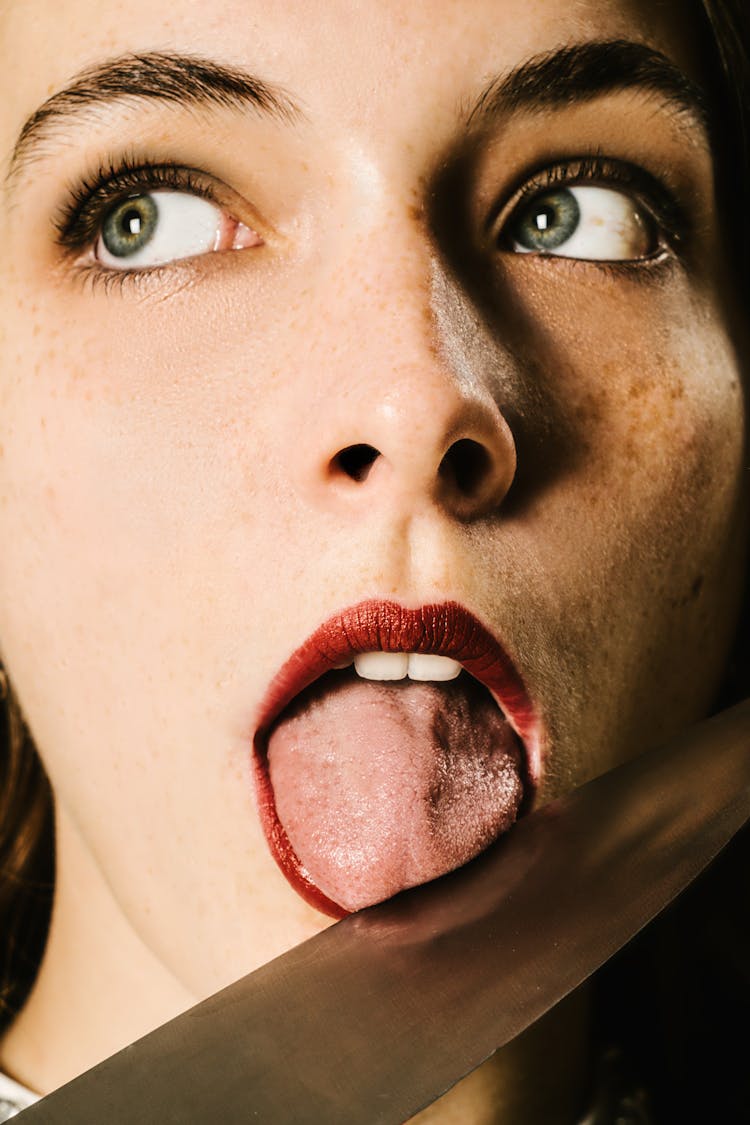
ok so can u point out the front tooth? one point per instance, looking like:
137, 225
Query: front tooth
427, 666
381, 665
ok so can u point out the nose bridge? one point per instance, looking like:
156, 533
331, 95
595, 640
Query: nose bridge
383, 304
379, 290
395, 409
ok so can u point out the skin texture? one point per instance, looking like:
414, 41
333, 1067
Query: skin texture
171, 525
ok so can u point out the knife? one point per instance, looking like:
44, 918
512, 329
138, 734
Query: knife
376, 1017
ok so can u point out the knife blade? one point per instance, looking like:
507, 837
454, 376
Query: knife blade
377, 1016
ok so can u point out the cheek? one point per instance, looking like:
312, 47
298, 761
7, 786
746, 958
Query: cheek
146, 520
637, 525
637, 403
103, 497
656, 421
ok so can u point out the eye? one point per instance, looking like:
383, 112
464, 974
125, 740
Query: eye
157, 227
586, 222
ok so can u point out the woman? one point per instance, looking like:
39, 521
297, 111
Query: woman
347, 329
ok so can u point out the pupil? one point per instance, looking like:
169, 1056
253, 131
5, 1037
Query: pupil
130, 226
545, 218
133, 223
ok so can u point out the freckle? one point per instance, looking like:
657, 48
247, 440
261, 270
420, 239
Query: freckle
629, 448
697, 586
590, 408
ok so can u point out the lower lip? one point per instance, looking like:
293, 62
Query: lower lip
370, 626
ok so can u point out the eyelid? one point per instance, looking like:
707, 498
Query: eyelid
78, 221
588, 170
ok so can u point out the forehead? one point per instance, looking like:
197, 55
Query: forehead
359, 64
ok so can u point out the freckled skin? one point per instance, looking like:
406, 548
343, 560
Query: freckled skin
171, 529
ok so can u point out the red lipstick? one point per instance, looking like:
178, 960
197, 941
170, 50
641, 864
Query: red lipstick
446, 629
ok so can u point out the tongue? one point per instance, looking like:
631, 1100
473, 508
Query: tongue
380, 786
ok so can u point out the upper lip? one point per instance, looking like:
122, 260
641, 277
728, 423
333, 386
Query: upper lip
444, 629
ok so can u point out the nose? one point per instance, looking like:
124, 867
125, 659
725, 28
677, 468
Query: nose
460, 458
406, 408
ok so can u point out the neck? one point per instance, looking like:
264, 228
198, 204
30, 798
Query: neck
99, 987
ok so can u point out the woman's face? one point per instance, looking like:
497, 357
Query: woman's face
527, 316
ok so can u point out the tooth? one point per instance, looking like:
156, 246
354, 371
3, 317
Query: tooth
381, 665
427, 666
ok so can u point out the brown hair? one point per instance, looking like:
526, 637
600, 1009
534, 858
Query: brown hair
26, 809
728, 41
26, 858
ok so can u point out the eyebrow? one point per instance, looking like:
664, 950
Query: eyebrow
584, 71
567, 75
156, 76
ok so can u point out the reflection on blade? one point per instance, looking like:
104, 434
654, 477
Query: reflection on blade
379, 1015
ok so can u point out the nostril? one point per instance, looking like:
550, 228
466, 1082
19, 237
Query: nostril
467, 464
355, 461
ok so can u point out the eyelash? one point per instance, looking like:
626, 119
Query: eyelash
78, 222
659, 203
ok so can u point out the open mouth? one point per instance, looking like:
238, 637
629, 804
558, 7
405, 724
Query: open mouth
392, 747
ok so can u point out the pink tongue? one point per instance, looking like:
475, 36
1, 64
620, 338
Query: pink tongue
381, 786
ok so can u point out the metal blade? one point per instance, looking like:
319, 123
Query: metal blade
377, 1016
